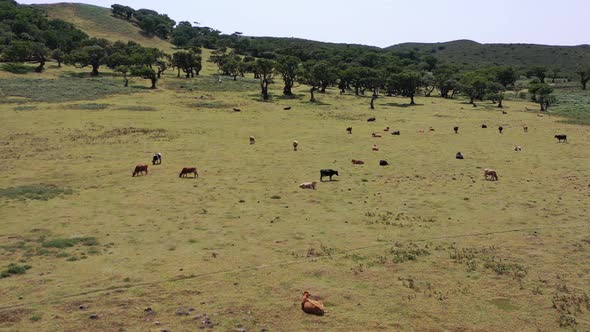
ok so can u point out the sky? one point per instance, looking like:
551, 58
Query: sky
384, 22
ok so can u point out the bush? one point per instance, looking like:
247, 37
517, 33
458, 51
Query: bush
17, 68
13, 269
42, 192
66, 243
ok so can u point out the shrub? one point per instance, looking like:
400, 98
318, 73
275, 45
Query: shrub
13, 269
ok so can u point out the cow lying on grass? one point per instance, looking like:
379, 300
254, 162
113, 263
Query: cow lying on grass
310, 306
308, 185
357, 162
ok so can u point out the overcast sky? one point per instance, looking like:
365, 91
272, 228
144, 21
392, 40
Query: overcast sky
385, 22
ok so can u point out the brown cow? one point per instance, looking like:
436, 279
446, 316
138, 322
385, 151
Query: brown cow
376, 135
310, 306
375, 147
140, 169
188, 170
357, 162
490, 174
525, 128
252, 140
295, 145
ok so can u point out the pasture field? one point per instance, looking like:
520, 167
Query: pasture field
423, 244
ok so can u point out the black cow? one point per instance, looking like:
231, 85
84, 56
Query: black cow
500, 129
456, 129
371, 119
459, 155
287, 108
561, 138
157, 159
349, 130
383, 163
484, 126
327, 172
396, 133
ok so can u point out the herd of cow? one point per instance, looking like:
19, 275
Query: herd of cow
489, 174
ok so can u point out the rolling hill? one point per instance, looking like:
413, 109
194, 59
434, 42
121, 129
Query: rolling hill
98, 22
467, 53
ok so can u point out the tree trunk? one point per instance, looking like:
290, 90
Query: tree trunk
412, 100
373, 101
264, 87
40, 67
312, 96
94, 70
126, 82
500, 104
429, 92
154, 80
356, 90
472, 100
58, 63
287, 90
584, 85
178, 72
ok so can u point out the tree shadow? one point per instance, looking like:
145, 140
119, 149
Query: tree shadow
401, 105
292, 97
318, 103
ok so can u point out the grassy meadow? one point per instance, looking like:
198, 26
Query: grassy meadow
424, 244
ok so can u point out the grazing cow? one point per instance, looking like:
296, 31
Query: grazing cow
396, 133
349, 130
287, 108
157, 159
140, 169
518, 148
357, 162
383, 163
484, 126
490, 174
456, 129
376, 135
500, 129
430, 129
252, 140
327, 172
561, 138
375, 147
237, 110
295, 145
310, 306
504, 112
188, 170
525, 128
308, 185
371, 119
386, 129
459, 156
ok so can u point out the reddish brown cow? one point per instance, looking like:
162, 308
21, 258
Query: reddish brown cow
357, 162
188, 170
139, 169
490, 174
310, 306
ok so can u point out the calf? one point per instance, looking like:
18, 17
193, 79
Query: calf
252, 140
490, 174
376, 135
456, 129
561, 138
308, 185
500, 129
188, 170
349, 130
484, 126
386, 129
371, 119
518, 148
287, 108
525, 128
237, 110
383, 163
140, 169
357, 162
295, 145
396, 133
157, 159
459, 156
327, 172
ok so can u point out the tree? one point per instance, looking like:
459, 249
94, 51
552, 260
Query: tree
187, 61
506, 76
318, 75
125, 71
94, 54
406, 84
27, 51
539, 72
146, 73
288, 67
58, 55
474, 84
555, 74
584, 77
122, 11
445, 80
430, 62
265, 69
542, 94
495, 93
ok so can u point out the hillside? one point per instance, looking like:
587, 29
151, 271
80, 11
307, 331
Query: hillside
467, 53
98, 22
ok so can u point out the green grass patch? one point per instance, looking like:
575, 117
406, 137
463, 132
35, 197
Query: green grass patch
574, 105
41, 192
63, 89
14, 269
90, 106
138, 108
211, 84
66, 243
25, 108
17, 68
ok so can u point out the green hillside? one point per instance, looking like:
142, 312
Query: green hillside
467, 53
98, 22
